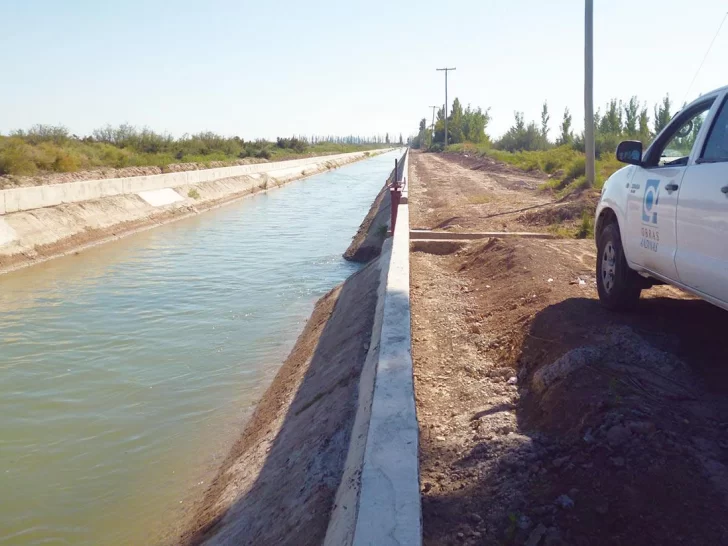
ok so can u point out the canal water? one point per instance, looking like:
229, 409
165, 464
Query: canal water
127, 371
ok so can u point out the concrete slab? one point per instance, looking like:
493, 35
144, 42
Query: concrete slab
7, 233
160, 198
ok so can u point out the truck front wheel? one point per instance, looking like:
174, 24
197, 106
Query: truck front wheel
619, 287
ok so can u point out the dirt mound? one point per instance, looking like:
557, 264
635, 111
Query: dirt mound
547, 420
277, 485
560, 213
496, 256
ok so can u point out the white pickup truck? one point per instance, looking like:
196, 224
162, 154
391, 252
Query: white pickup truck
664, 218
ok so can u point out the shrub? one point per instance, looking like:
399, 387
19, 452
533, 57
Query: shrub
16, 157
47, 148
66, 163
586, 228
576, 168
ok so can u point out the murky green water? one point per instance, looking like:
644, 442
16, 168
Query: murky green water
126, 371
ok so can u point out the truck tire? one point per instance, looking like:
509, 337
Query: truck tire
619, 287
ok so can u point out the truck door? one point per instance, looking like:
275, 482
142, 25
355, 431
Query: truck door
651, 240
702, 215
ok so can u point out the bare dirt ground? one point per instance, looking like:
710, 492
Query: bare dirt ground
544, 418
479, 194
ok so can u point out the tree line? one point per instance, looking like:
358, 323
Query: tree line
463, 125
619, 120
44, 148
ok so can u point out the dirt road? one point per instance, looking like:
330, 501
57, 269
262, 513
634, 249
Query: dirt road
453, 192
545, 419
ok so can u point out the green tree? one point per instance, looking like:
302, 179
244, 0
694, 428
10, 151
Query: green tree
439, 137
386, 139
423, 136
662, 114
566, 137
521, 136
474, 125
644, 126
631, 115
611, 123
545, 118
455, 123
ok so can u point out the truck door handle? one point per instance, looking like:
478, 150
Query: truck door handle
671, 187
724, 189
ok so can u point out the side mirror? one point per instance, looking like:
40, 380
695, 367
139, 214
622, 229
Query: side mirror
630, 151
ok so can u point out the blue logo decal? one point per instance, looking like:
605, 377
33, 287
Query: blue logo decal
649, 202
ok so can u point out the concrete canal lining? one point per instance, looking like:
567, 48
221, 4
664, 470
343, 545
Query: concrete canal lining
382, 507
389, 504
333, 416
35, 197
44, 222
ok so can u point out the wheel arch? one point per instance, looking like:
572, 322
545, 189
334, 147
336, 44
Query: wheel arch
606, 216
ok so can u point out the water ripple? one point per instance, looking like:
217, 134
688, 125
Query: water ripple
121, 367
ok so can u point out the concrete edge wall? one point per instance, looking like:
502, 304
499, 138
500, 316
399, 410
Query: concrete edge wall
383, 506
342, 522
390, 510
35, 197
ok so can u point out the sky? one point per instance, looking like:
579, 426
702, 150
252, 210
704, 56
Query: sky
272, 68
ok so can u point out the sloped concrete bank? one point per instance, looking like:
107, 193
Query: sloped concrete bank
330, 455
44, 222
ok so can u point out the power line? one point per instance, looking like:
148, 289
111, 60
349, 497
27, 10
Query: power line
705, 57
446, 71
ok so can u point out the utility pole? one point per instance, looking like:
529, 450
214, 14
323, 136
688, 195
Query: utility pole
446, 71
589, 91
433, 122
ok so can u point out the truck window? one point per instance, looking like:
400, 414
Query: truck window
678, 146
716, 146
675, 144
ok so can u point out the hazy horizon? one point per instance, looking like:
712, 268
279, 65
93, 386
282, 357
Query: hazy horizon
267, 70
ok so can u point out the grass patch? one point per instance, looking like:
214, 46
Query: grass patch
572, 186
586, 228
193, 194
479, 199
576, 168
566, 165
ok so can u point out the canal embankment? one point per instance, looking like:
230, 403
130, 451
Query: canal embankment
330, 454
38, 223
367, 243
